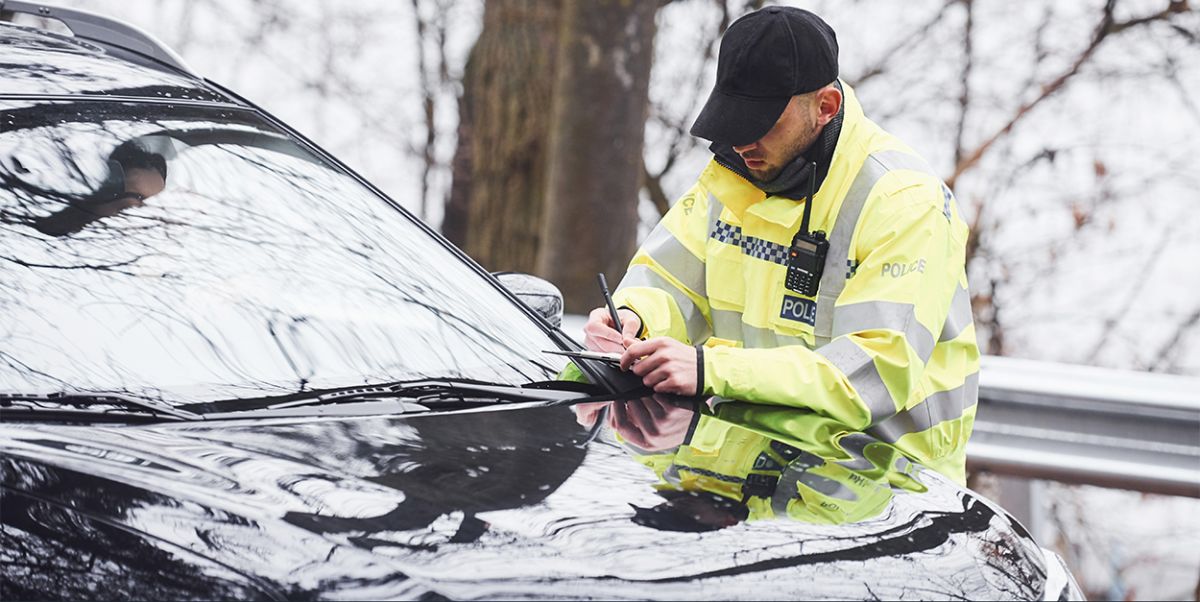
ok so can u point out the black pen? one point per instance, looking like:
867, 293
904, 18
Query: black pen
612, 308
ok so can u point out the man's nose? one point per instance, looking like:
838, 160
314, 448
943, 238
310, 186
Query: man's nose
745, 148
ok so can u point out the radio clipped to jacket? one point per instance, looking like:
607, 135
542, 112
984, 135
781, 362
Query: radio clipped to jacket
806, 257
806, 262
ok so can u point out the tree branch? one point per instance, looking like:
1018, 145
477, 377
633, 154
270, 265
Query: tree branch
428, 98
905, 42
1104, 29
653, 186
964, 99
1160, 362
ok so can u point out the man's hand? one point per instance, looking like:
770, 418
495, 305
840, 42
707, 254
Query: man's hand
665, 365
652, 423
586, 414
600, 334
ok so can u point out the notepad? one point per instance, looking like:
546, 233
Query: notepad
603, 356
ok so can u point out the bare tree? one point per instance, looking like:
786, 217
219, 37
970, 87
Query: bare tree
598, 117
434, 77
498, 194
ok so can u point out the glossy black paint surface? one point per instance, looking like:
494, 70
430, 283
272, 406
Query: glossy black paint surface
468, 505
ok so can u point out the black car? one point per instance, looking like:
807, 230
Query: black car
231, 368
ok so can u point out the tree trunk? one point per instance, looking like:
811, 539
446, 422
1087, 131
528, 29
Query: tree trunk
497, 195
605, 49
454, 219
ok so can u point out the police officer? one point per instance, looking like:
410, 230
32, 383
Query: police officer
816, 263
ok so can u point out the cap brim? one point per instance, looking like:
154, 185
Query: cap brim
737, 120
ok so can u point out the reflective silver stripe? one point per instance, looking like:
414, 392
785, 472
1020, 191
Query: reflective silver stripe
642, 275
933, 410
860, 370
947, 198
754, 337
855, 445
884, 315
959, 317
828, 487
676, 259
726, 324
905, 466
797, 472
714, 212
672, 476
786, 490
833, 280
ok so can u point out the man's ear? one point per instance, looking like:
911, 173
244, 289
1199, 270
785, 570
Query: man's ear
829, 102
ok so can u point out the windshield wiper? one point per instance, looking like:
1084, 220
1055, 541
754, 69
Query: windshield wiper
428, 395
36, 403
443, 392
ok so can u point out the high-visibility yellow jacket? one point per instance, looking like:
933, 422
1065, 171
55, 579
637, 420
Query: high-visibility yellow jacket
887, 345
775, 479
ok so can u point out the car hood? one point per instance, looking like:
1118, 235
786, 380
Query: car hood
482, 504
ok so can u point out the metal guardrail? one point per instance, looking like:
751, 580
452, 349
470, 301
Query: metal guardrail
1096, 426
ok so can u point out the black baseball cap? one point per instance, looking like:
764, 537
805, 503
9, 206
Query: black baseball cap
766, 58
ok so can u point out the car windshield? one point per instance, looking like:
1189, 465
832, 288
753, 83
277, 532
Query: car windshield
196, 253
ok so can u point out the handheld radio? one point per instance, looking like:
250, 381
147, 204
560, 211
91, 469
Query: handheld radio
806, 256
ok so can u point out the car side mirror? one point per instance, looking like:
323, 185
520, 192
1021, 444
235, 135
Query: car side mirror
541, 295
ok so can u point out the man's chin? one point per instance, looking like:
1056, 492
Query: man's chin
764, 175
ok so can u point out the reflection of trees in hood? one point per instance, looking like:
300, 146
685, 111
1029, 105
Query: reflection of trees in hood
81, 212
52, 552
471, 463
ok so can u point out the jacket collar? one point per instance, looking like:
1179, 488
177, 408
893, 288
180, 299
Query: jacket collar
729, 181
793, 181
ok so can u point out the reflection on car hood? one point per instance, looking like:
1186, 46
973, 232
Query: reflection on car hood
486, 504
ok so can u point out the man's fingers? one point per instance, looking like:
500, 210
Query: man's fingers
654, 378
641, 418
599, 333
656, 407
604, 334
649, 346
618, 418
586, 413
600, 315
649, 363
668, 385
642, 348
602, 331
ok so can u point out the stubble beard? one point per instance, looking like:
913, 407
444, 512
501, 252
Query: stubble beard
793, 150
